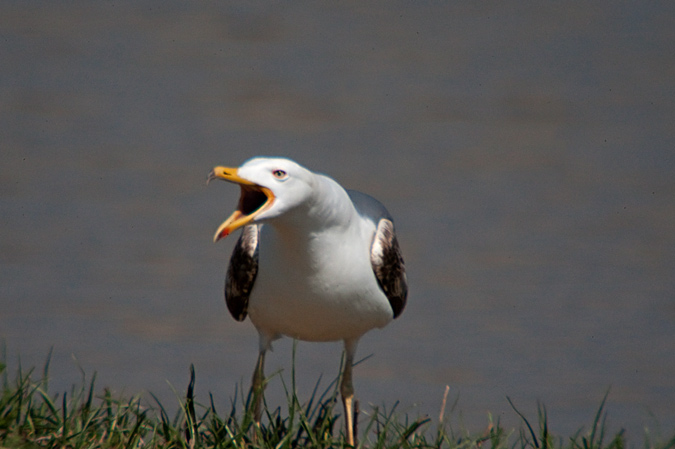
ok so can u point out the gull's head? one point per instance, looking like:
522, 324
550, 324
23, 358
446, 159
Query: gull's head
270, 187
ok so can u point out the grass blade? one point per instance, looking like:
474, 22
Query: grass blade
527, 423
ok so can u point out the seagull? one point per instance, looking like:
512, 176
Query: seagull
314, 262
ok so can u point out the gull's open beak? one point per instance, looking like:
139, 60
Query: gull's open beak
253, 200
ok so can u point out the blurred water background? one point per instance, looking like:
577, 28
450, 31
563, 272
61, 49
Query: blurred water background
526, 150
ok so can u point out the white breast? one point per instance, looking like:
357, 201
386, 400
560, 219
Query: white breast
318, 287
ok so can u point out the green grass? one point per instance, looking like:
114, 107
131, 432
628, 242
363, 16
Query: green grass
33, 417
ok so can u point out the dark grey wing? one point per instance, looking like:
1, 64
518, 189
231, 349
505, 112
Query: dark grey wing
242, 272
388, 265
385, 253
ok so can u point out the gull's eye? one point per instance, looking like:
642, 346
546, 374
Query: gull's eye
279, 174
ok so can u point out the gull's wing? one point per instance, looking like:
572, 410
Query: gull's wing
388, 265
385, 253
242, 272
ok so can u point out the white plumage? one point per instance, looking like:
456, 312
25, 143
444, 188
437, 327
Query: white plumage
314, 262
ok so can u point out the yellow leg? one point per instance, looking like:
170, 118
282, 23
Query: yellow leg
257, 387
347, 391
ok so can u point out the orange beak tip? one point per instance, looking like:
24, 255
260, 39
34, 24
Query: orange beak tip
221, 235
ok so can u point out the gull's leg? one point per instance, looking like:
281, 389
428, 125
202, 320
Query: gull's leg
347, 390
257, 387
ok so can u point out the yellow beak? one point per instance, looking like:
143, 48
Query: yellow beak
254, 200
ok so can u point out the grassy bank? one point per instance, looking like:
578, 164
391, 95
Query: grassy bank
31, 417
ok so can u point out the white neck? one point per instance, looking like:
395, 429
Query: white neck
328, 207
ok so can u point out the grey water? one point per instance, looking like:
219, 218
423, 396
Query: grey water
525, 149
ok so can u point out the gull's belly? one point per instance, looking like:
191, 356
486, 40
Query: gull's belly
312, 317
322, 300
